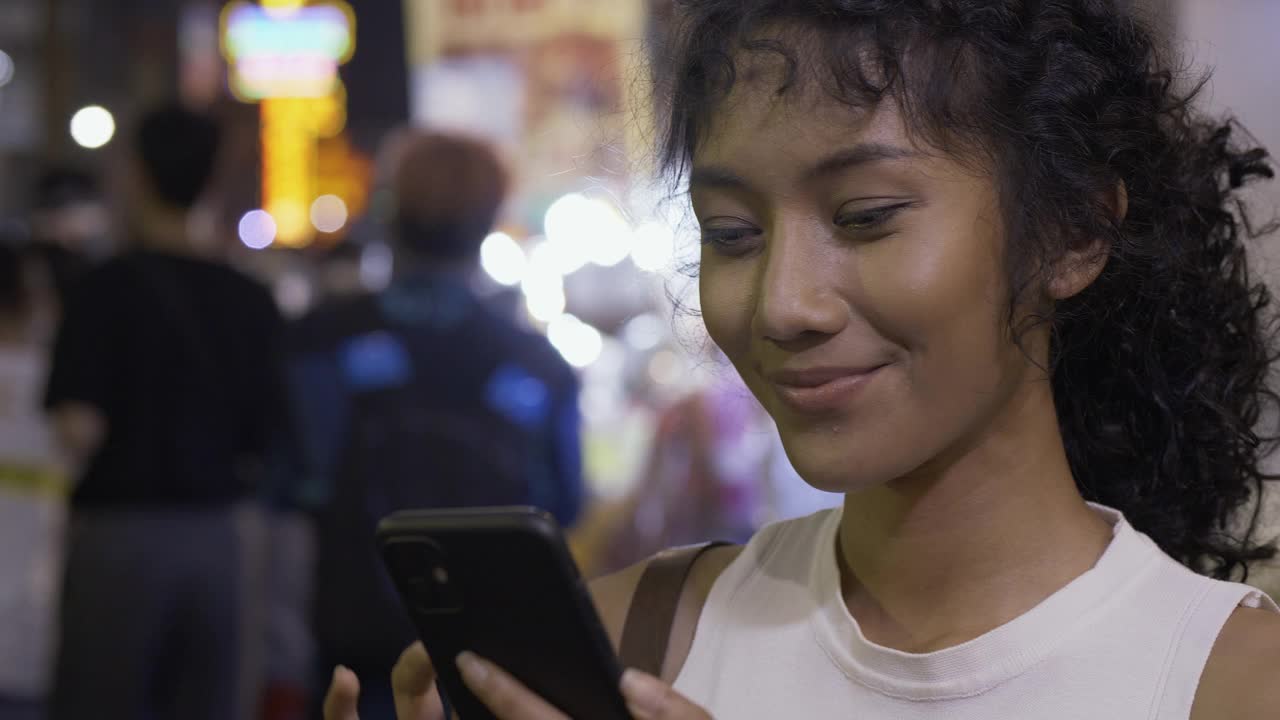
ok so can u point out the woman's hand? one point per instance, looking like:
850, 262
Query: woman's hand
647, 697
414, 683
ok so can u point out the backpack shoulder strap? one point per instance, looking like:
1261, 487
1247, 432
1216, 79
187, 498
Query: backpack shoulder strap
647, 628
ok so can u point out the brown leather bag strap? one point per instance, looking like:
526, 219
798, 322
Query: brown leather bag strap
647, 628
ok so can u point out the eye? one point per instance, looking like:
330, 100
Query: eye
726, 239
868, 218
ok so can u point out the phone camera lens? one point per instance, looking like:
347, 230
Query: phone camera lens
423, 576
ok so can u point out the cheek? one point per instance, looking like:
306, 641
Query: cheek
940, 298
724, 295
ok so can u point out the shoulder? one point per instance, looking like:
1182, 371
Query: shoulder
332, 321
527, 340
1241, 680
238, 281
108, 277
613, 593
693, 598
537, 354
612, 597
103, 292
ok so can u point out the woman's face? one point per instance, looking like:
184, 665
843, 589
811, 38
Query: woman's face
856, 283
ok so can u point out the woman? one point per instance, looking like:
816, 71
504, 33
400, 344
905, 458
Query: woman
33, 487
980, 262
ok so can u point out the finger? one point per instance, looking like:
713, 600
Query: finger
344, 692
505, 696
648, 698
413, 683
413, 674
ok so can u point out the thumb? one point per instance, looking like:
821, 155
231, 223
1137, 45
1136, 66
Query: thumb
344, 692
648, 698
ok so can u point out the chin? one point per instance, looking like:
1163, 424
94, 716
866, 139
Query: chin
836, 464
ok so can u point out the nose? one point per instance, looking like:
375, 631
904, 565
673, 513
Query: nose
797, 296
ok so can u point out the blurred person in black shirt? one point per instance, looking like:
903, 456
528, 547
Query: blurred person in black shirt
423, 395
166, 391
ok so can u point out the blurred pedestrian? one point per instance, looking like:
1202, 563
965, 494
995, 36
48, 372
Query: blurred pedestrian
165, 389
69, 225
32, 494
423, 395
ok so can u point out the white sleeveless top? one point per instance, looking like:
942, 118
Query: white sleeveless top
1127, 639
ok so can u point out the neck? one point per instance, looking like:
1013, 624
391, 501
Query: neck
165, 230
13, 327
938, 558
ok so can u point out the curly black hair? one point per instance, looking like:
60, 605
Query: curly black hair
1159, 367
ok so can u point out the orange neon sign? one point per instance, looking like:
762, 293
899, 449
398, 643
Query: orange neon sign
285, 54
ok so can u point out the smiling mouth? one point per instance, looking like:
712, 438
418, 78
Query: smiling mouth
821, 390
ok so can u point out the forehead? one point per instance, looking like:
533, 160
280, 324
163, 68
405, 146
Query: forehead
778, 122
754, 115
791, 112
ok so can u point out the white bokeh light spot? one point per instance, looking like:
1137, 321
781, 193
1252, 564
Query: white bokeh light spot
257, 229
579, 343
328, 213
644, 332
503, 259
6, 68
654, 247
92, 127
583, 230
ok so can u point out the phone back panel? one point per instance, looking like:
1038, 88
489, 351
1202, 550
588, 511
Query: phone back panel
501, 583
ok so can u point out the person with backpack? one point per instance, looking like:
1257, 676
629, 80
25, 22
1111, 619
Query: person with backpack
167, 393
984, 263
423, 395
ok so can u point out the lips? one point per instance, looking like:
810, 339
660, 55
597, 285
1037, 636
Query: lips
822, 389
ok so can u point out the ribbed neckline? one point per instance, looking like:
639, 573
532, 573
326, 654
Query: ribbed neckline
981, 664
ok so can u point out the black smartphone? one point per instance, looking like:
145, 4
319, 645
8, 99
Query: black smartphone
501, 583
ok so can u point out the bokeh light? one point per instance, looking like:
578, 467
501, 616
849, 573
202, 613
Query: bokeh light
644, 332
377, 265
6, 68
543, 283
328, 213
543, 296
579, 343
654, 247
567, 236
611, 236
665, 368
293, 220
92, 127
257, 229
293, 294
282, 8
503, 259
584, 230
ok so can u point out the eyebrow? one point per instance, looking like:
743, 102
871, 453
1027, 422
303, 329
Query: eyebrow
863, 154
